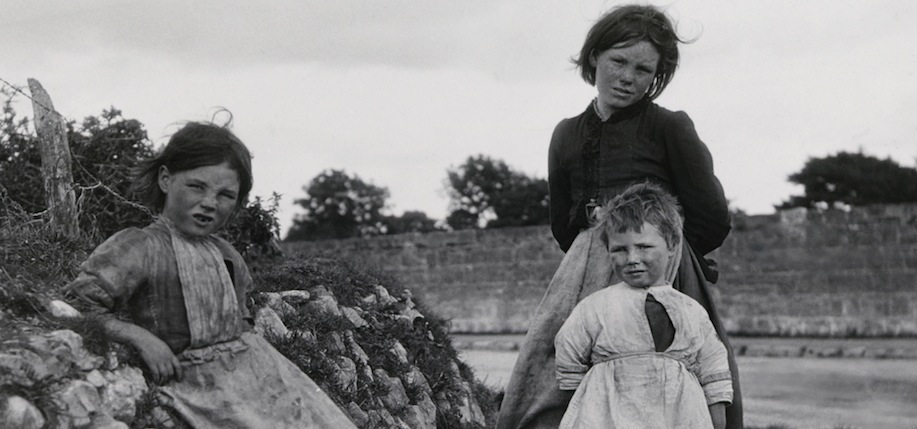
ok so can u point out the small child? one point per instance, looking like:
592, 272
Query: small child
640, 354
184, 290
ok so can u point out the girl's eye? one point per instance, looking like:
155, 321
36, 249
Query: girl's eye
195, 186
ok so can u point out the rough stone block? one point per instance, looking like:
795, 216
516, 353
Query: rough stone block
353, 316
397, 397
323, 301
267, 322
359, 417
17, 412
80, 400
123, 388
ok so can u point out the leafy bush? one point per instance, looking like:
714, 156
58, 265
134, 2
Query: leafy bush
105, 150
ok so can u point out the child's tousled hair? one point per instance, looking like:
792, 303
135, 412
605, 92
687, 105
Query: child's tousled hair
197, 144
624, 26
644, 202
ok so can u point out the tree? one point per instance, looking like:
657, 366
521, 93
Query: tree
105, 149
855, 179
339, 206
485, 191
409, 221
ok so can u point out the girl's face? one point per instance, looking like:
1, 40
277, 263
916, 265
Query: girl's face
624, 74
640, 258
200, 201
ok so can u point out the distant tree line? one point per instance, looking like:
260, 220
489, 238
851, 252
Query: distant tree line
852, 179
483, 192
487, 193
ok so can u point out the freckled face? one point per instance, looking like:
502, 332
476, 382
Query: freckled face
200, 201
624, 74
640, 258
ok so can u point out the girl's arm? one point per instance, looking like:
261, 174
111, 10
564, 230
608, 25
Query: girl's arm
573, 349
561, 199
156, 354
713, 364
718, 415
114, 272
707, 219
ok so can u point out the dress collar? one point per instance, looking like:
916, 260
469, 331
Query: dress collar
627, 112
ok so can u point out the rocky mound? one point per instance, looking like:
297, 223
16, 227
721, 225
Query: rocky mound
377, 353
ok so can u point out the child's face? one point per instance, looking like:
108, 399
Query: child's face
201, 200
640, 258
624, 74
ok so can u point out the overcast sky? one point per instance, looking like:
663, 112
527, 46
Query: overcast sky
398, 91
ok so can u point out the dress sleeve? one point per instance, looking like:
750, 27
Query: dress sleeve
707, 220
714, 375
573, 348
241, 276
244, 285
560, 193
112, 274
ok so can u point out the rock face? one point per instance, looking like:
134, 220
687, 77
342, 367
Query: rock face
76, 387
371, 339
353, 351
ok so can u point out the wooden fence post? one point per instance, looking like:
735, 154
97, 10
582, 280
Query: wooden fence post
55, 162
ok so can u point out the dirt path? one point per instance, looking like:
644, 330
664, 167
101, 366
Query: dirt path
795, 393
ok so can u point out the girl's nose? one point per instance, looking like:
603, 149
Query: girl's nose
209, 201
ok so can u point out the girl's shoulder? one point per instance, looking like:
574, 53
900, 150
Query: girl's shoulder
134, 237
570, 123
129, 247
227, 249
665, 119
569, 131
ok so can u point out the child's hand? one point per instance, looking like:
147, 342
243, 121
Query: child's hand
160, 360
156, 354
718, 415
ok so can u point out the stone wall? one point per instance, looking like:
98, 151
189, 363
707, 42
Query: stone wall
795, 273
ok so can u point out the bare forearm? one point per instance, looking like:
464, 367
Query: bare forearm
718, 415
156, 354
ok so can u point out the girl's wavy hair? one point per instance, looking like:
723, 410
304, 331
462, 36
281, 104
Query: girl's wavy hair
644, 202
624, 26
196, 144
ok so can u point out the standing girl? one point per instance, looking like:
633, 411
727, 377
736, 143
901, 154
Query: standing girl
184, 290
623, 137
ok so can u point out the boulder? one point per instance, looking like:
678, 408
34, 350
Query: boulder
322, 301
267, 322
79, 401
295, 296
397, 397
122, 390
17, 412
61, 309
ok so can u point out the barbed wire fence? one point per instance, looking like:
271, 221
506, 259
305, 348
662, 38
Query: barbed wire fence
87, 188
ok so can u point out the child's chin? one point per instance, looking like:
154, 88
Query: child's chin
637, 285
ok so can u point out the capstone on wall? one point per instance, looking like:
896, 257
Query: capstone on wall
795, 273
